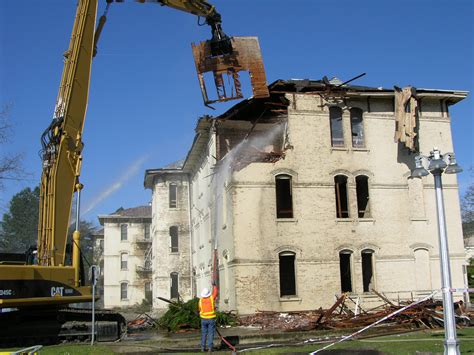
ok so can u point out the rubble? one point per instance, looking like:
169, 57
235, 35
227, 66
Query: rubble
427, 314
142, 322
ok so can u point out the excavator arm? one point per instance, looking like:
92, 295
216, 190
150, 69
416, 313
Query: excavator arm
62, 140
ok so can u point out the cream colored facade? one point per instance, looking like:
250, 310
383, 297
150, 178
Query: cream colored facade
127, 257
276, 263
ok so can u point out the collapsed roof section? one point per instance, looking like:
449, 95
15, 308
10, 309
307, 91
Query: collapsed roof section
249, 120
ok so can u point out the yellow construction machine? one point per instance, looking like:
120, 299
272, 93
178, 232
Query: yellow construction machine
34, 295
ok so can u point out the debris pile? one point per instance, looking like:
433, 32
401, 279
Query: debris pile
427, 314
142, 322
185, 315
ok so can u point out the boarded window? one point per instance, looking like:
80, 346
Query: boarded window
422, 269
146, 231
357, 128
367, 270
174, 285
173, 195
337, 133
287, 274
174, 239
123, 232
345, 269
123, 291
284, 200
362, 187
340, 183
124, 261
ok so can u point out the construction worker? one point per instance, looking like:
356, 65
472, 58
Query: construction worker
207, 313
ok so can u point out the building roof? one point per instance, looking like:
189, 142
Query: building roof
139, 212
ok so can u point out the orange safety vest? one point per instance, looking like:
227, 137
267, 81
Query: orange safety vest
207, 308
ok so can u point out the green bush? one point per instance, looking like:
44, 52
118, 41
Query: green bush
182, 315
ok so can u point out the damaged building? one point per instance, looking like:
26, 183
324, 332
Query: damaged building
306, 195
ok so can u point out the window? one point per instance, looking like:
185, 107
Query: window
340, 183
148, 292
367, 270
123, 291
123, 261
337, 135
174, 285
101, 244
287, 274
284, 201
174, 238
173, 194
146, 231
345, 269
357, 128
123, 232
362, 187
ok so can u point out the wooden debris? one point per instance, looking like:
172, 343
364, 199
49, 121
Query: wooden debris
427, 314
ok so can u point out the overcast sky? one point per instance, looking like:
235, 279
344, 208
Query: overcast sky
145, 98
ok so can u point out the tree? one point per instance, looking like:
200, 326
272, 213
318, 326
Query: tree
87, 230
467, 205
19, 226
10, 164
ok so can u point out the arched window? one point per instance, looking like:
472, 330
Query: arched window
337, 132
123, 232
287, 274
173, 196
345, 257
284, 199
340, 184
123, 261
357, 128
174, 239
123, 291
367, 269
362, 188
422, 269
174, 285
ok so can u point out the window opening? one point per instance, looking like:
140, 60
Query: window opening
287, 274
357, 128
146, 231
345, 269
123, 291
337, 133
173, 193
123, 232
284, 200
362, 188
340, 183
124, 261
367, 270
148, 292
174, 239
174, 285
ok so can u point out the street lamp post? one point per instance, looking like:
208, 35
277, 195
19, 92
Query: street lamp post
438, 164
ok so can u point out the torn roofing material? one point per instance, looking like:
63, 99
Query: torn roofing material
252, 108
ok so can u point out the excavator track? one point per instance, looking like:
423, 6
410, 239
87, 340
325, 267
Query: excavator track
52, 326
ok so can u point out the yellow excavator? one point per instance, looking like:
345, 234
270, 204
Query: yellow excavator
35, 294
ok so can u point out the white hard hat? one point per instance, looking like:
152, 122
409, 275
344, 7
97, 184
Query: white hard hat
205, 292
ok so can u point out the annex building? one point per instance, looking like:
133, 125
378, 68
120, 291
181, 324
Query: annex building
126, 257
306, 194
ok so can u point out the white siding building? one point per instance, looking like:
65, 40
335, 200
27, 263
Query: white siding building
127, 256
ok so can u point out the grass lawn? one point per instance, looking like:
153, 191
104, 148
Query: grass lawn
404, 344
